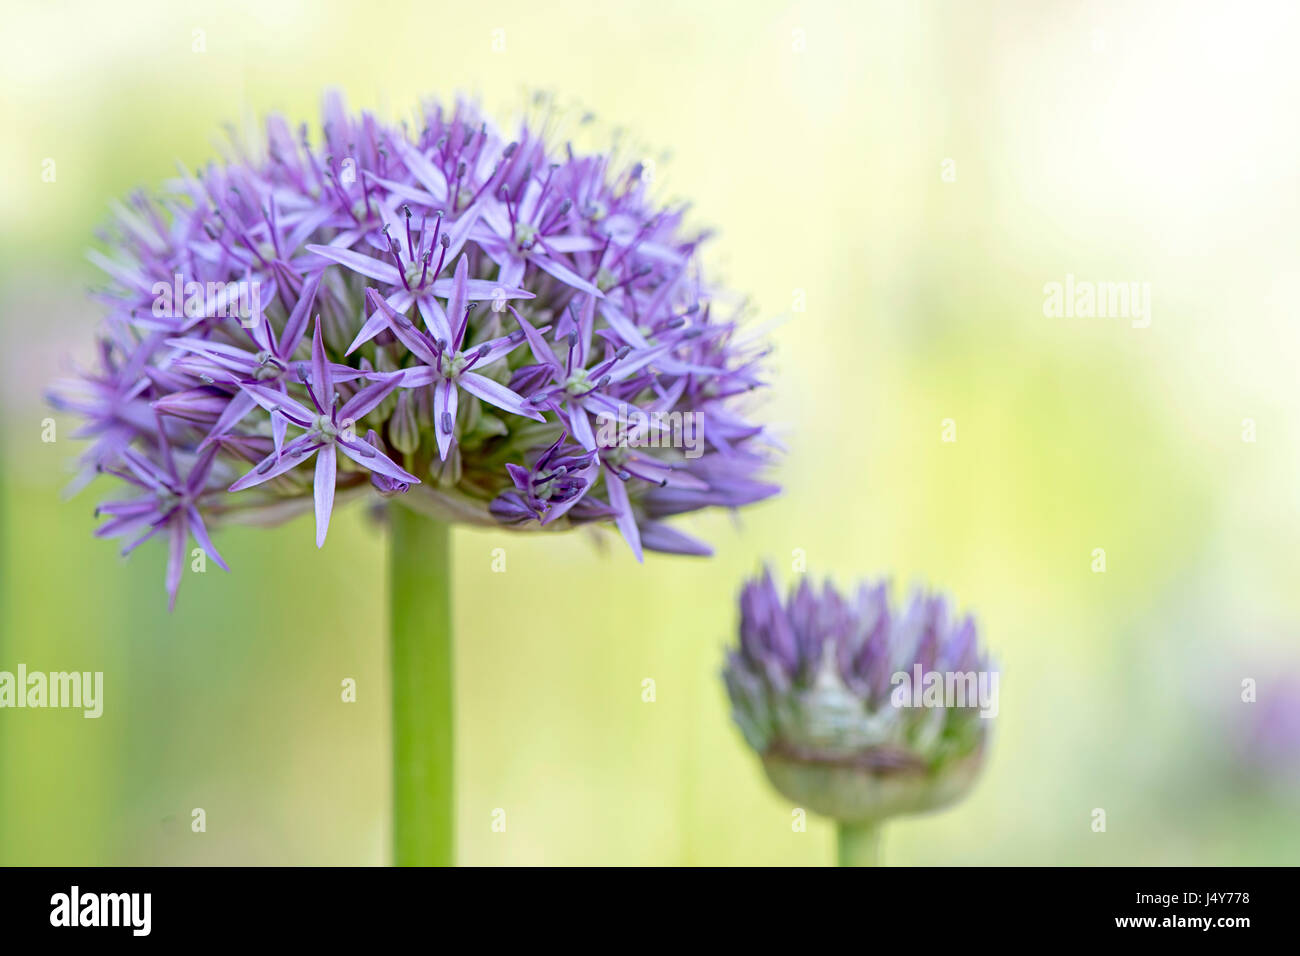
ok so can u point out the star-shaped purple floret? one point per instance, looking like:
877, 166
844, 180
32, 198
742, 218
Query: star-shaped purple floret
329, 428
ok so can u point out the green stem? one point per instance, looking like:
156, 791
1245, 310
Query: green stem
858, 844
424, 792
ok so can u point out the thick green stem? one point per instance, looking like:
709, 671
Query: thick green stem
858, 844
419, 601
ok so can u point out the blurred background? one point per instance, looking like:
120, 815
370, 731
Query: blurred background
893, 184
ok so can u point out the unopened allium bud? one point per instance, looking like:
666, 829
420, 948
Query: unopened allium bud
403, 431
850, 702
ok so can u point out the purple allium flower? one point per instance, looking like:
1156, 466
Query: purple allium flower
860, 710
547, 490
471, 304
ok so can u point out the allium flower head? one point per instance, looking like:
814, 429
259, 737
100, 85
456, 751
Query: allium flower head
434, 311
825, 688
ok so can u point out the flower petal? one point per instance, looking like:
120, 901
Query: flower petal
580, 425
364, 401
444, 415
565, 274
200, 533
276, 464
657, 536
626, 520
176, 557
498, 395
326, 466
297, 322
541, 351
372, 459
435, 320
403, 328
457, 302
372, 268
419, 376
274, 401
322, 378
240, 404
425, 173
400, 302
476, 290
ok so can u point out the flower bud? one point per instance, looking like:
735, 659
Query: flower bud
403, 432
860, 711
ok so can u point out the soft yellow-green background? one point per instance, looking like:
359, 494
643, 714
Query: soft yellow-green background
1121, 142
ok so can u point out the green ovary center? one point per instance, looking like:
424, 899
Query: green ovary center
324, 428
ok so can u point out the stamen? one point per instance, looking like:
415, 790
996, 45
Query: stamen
559, 214
410, 246
397, 256
546, 185
365, 188
445, 241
